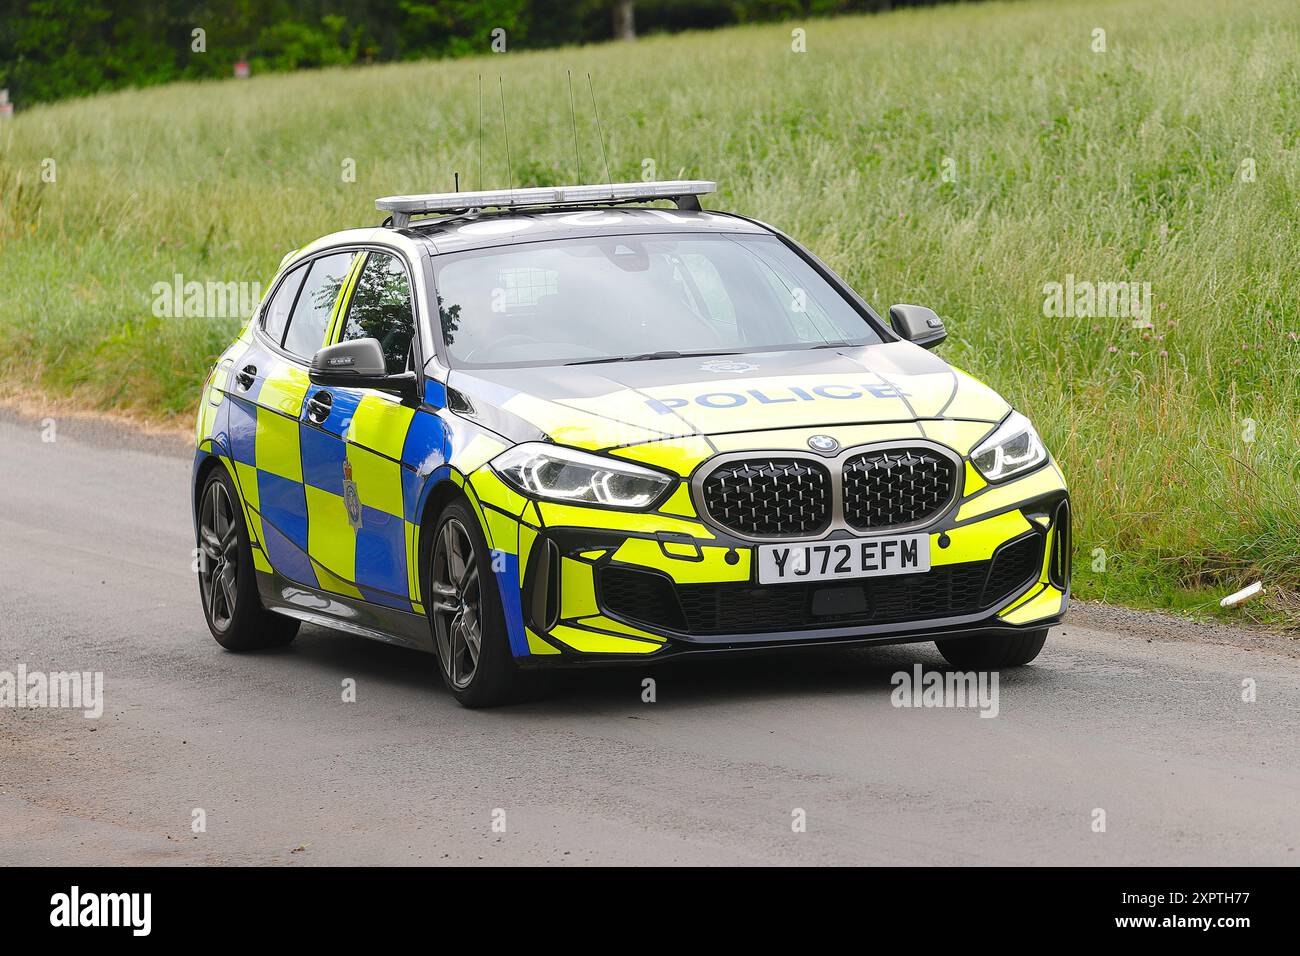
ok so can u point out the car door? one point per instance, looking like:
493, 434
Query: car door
269, 387
352, 445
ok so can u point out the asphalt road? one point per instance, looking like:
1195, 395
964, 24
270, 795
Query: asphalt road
1136, 717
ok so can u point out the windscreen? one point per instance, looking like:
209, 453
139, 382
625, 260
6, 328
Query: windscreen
628, 297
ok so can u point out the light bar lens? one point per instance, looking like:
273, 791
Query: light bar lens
566, 474
543, 196
1011, 450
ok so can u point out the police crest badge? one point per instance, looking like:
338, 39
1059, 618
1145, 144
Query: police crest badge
351, 500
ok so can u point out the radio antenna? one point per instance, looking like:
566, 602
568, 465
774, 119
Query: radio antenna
480, 131
573, 114
505, 128
592, 90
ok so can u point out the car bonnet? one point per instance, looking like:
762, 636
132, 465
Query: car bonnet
619, 404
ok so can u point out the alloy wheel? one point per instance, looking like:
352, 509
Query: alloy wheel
457, 604
219, 556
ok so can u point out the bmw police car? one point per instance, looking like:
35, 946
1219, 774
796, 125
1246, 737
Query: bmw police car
554, 426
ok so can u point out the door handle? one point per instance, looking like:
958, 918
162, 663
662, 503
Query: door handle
245, 377
318, 407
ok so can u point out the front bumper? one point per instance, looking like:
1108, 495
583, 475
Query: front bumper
596, 586
814, 640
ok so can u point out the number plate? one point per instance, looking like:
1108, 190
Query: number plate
835, 560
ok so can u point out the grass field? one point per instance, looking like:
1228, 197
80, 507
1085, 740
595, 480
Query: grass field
959, 157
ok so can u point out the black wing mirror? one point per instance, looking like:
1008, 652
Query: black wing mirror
917, 324
359, 363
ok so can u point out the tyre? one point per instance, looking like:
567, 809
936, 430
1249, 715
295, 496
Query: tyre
993, 651
227, 581
469, 625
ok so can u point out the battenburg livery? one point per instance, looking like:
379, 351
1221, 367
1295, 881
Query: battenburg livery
542, 427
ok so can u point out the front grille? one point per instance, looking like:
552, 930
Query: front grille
896, 487
791, 497
732, 609
651, 599
770, 497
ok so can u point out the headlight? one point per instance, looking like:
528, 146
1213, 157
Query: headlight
1011, 450
566, 474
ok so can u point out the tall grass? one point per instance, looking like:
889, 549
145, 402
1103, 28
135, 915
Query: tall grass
1180, 442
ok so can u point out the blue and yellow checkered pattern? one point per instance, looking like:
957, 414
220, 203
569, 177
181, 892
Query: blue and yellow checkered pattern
291, 472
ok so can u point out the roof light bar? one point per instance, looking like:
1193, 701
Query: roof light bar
685, 192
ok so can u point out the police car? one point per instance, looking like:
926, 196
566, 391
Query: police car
563, 426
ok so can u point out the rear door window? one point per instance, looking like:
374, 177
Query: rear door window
276, 314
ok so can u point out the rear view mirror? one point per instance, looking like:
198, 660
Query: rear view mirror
918, 325
358, 363
349, 363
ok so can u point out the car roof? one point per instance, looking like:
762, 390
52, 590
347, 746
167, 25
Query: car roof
457, 233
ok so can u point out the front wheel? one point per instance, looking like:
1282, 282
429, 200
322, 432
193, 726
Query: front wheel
993, 651
469, 625
227, 581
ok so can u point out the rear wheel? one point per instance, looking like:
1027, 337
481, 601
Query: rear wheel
469, 625
993, 651
227, 581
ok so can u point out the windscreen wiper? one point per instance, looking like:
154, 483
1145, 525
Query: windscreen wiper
647, 357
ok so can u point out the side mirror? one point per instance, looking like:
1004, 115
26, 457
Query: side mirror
917, 324
359, 363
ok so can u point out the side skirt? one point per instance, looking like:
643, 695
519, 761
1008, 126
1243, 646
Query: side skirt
374, 621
